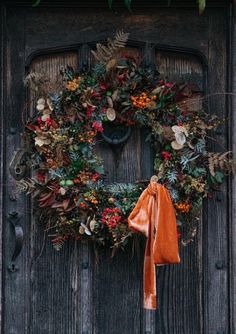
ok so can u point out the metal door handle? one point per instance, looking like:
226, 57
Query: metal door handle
14, 219
17, 166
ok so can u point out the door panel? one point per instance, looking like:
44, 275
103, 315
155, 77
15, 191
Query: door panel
68, 292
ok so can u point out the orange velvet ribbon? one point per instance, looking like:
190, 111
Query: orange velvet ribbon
154, 216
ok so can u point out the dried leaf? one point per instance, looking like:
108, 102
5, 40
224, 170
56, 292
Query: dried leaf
86, 230
115, 95
176, 146
111, 64
109, 101
220, 161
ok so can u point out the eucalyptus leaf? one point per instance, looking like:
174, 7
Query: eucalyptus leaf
219, 177
99, 169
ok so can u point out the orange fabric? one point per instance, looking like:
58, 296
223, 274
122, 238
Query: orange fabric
154, 216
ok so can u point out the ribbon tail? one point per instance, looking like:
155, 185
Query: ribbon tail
149, 270
149, 280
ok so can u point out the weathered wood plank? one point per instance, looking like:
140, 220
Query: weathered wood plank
60, 282
179, 286
215, 228
117, 281
2, 151
232, 208
161, 27
15, 283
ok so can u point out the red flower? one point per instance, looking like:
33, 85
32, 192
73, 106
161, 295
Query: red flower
169, 84
39, 120
166, 155
96, 95
111, 217
41, 177
97, 126
48, 122
89, 111
103, 87
122, 77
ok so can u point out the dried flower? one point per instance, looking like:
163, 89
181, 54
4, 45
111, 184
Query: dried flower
111, 217
73, 84
180, 133
97, 126
41, 140
166, 155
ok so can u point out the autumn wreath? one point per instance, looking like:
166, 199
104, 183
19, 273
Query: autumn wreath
67, 180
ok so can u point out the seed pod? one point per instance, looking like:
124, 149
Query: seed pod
40, 107
111, 114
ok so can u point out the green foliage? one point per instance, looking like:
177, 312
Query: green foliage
200, 147
201, 6
198, 171
218, 178
172, 176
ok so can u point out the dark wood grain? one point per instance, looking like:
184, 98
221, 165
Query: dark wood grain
2, 151
59, 296
16, 284
232, 142
215, 231
66, 292
179, 287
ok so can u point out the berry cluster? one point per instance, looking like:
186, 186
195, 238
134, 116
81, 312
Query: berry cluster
141, 101
183, 207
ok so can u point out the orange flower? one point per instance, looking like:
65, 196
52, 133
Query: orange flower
73, 84
183, 207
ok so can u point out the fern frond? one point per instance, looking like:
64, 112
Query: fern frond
58, 243
220, 161
172, 176
104, 53
27, 186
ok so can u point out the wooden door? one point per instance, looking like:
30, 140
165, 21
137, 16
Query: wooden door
66, 292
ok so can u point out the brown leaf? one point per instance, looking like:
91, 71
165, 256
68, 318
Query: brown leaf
111, 64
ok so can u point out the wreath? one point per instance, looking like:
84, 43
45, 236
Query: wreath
67, 180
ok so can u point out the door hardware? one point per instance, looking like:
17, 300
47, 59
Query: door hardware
14, 219
17, 166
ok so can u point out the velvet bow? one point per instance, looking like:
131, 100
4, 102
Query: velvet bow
154, 216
